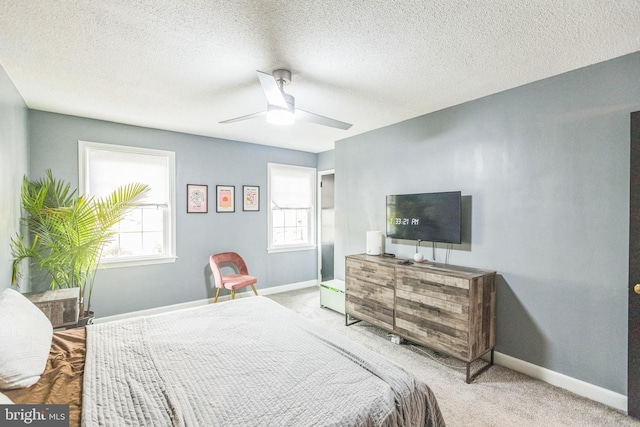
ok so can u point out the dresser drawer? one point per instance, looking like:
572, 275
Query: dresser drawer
434, 309
433, 279
371, 272
370, 302
446, 301
433, 335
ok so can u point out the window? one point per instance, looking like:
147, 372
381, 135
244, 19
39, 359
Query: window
147, 234
292, 207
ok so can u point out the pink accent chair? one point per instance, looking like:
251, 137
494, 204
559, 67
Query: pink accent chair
231, 281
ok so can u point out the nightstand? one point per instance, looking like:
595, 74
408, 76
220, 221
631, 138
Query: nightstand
61, 306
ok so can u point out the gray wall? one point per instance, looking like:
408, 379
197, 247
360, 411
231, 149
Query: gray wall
13, 166
326, 160
546, 169
53, 140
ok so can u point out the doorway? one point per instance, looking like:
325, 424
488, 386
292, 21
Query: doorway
326, 224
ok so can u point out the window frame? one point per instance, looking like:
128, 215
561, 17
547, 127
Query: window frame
312, 220
169, 232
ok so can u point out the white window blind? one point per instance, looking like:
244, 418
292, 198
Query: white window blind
111, 169
292, 207
147, 233
292, 187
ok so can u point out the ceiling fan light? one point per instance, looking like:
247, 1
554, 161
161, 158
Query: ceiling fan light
280, 116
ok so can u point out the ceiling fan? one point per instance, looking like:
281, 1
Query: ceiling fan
281, 106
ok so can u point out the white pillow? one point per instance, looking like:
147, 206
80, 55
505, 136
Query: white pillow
4, 400
25, 334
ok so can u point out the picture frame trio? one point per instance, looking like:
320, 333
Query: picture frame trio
198, 198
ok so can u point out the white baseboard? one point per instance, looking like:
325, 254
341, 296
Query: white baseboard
285, 288
579, 387
197, 303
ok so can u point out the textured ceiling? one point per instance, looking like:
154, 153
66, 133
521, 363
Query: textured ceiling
186, 65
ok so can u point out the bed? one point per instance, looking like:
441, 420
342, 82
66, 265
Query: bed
247, 362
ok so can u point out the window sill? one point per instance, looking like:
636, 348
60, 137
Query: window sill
133, 262
274, 250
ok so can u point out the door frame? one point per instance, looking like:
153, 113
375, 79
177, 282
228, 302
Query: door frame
319, 216
633, 346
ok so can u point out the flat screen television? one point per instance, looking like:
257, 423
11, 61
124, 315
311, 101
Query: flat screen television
430, 217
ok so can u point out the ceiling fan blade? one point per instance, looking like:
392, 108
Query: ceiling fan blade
247, 117
271, 90
321, 120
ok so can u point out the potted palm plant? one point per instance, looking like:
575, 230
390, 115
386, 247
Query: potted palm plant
66, 232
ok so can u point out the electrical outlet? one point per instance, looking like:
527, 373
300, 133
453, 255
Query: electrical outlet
396, 339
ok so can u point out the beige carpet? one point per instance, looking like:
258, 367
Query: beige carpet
499, 397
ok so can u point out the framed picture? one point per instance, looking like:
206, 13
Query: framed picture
250, 198
197, 198
225, 198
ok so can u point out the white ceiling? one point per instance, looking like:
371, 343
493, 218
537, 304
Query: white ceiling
186, 65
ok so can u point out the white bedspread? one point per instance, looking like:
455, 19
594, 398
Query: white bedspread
247, 362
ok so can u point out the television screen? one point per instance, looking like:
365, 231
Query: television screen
431, 217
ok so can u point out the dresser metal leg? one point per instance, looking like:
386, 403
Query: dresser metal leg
348, 320
470, 377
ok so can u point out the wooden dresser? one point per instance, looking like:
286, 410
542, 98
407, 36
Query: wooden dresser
447, 308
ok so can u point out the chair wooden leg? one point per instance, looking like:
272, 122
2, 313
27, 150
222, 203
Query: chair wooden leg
254, 290
216, 298
233, 294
